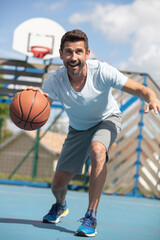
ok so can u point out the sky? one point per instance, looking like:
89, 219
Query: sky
124, 33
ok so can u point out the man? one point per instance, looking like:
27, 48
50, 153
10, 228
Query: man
84, 88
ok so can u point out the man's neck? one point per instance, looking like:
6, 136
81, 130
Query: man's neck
78, 81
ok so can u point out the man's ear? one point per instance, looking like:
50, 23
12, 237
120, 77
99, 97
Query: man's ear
61, 54
88, 53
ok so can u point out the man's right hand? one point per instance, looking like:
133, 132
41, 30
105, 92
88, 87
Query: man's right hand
50, 100
35, 89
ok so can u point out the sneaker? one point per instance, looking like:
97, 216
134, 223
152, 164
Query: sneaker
55, 213
88, 227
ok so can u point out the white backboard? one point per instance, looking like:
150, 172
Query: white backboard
38, 32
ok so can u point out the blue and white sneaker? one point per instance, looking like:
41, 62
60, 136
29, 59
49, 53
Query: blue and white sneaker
88, 227
55, 213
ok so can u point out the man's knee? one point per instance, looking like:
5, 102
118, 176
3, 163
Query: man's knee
97, 153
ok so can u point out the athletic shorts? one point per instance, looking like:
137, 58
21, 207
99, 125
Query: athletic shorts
76, 148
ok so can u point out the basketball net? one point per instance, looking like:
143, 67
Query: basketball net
40, 52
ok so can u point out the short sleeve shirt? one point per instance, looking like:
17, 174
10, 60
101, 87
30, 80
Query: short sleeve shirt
95, 102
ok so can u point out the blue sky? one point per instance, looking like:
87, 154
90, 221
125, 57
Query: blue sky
124, 33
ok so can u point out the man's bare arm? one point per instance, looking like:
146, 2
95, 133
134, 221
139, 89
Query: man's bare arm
139, 90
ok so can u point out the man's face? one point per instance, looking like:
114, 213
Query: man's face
74, 56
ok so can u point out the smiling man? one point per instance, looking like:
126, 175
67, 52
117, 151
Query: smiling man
74, 56
84, 88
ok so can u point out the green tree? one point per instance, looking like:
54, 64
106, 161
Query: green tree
4, 114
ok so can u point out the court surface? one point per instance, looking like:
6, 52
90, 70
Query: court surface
119, 218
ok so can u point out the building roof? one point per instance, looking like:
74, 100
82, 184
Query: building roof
52, 140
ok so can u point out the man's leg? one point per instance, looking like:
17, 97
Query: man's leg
59, 189
59, 185
98, 173
97, 180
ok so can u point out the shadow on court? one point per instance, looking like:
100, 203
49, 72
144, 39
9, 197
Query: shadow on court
36, 223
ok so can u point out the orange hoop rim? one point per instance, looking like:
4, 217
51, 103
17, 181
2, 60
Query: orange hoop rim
40, 51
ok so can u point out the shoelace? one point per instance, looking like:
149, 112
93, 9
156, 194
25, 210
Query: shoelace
88, 221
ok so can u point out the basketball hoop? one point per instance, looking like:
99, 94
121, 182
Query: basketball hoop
40, 52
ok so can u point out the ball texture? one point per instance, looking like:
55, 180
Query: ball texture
29, 110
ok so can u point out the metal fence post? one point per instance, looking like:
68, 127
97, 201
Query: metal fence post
140, 138
1, 121
36, 151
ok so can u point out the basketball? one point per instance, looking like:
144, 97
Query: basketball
29, 110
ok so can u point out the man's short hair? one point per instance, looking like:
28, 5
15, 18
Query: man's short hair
74, 36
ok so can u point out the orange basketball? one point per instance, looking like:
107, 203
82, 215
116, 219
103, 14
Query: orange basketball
29, 110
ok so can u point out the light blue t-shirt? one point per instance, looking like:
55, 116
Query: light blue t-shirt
95, 102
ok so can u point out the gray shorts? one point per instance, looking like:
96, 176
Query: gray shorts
76, 147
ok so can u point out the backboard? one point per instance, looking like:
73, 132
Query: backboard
39, 32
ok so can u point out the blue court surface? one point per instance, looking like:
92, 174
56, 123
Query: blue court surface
119, 218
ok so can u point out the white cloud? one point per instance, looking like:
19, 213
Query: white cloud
56, 5
51, 7
136, 24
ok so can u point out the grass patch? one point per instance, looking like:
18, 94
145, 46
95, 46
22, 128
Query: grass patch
37, 179
26, 178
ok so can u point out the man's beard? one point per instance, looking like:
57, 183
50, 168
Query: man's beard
78, 67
